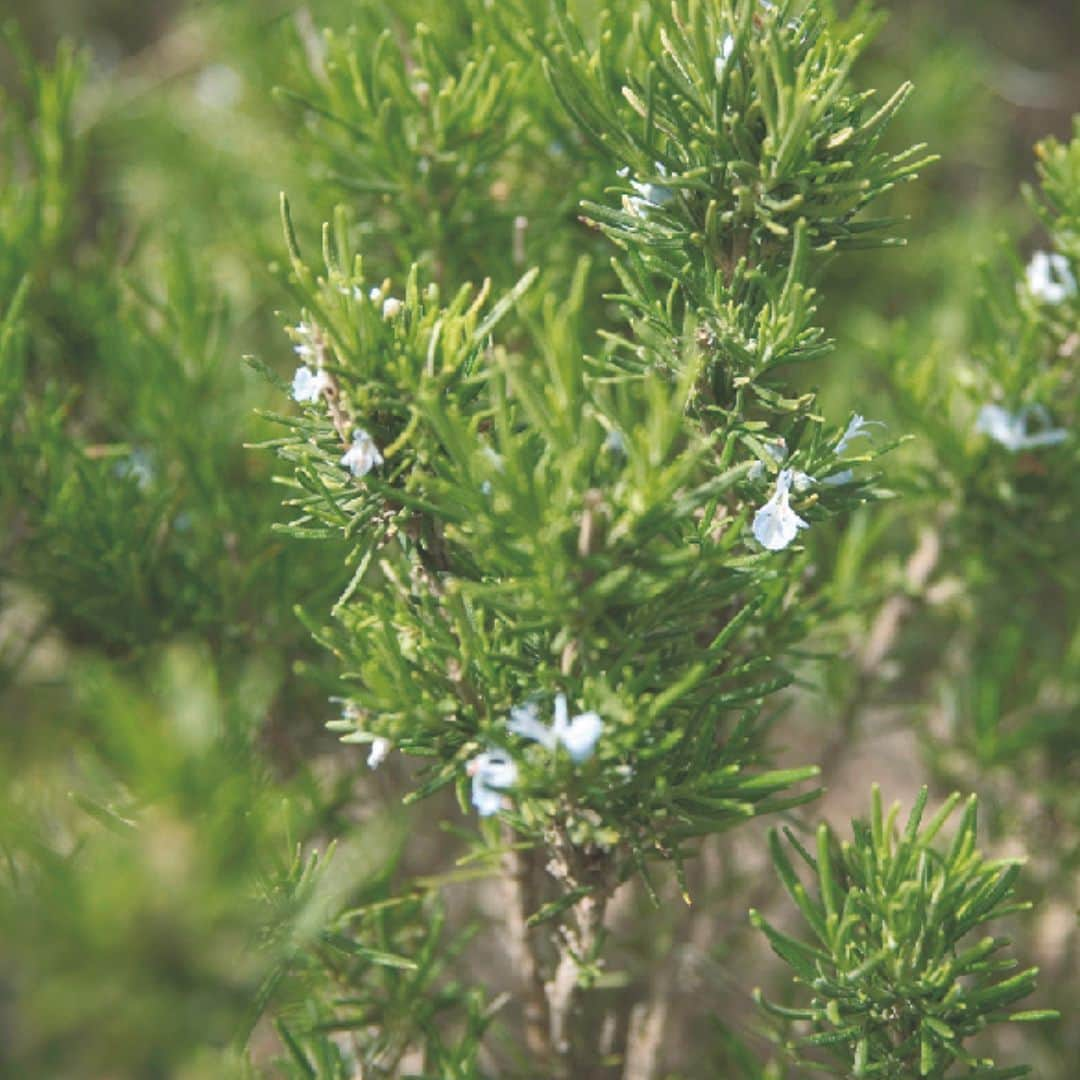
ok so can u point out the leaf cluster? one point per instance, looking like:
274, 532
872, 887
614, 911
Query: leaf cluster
896, 985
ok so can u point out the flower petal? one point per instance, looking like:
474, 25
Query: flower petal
492, 772
380, 747
775, 524
580, 736
525, 721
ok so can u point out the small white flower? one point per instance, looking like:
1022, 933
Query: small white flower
380, 747
307, 334
1049, 278
727, 47
1011, 429
775, 523
492, 773
391, 306
363, 455
375, 296
578, 734
856, 430
525, 720
308, 385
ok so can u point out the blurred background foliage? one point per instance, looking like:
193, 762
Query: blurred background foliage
164, 775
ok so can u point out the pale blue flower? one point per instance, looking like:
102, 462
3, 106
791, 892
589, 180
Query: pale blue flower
775, 524
1011, 428
492, 773
363, 455
649, 196
801, 482
856, 430
308, 385
525, 720
1050, 278
578, 735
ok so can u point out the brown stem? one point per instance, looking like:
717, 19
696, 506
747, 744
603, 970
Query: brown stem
578, 938
648, 1022
518, 892
576, 942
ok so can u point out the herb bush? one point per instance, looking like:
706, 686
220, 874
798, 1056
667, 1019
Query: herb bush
489, 490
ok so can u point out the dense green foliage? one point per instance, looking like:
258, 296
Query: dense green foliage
896, 990
568, 522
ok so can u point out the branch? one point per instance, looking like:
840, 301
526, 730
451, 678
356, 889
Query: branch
517, 890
